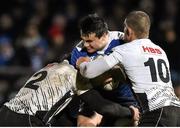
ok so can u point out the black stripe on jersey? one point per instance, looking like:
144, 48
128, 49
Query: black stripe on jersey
32, 100
44, 102
49, 94
56, 106
57, 90
61, 83
38, 104
68, 82
49, 90
50, 87
45, 97
29, 106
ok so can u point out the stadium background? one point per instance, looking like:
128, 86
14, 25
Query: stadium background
34, 33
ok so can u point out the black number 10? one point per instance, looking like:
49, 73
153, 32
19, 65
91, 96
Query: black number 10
153, 71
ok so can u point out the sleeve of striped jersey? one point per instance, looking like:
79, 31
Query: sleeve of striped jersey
99, 66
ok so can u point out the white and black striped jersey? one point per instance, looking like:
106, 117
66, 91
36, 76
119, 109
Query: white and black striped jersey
44, 89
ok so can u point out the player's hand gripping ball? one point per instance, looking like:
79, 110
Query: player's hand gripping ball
110, 79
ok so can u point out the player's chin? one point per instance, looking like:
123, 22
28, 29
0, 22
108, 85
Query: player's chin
91, 50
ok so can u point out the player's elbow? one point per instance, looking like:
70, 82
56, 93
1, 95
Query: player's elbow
93, 69
87, 72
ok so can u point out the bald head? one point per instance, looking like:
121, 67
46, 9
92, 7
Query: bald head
139, 22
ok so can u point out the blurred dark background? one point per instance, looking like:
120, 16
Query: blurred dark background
34, 33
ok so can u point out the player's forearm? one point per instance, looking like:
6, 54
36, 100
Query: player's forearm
104, 106
94, 68
99, 66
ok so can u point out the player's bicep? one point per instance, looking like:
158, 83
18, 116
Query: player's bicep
114, 58
74, 56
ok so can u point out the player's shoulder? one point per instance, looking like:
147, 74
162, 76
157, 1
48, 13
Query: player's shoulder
125, 48
79, 46
116, 35
57, 67
146, 43
137, 45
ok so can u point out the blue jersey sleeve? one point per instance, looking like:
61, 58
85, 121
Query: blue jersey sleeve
74, 56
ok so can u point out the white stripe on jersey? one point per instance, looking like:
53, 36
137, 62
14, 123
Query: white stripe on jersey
60, 79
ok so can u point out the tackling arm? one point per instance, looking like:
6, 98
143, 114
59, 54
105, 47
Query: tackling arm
99, 66
94, 68
106, 107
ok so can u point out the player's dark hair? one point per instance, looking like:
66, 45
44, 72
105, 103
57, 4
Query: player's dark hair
92, 23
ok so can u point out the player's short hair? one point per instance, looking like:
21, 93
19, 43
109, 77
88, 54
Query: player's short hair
92, 23
139, 22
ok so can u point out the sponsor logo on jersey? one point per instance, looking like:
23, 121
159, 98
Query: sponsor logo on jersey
151, 50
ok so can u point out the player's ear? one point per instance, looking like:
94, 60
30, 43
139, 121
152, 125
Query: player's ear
130, 34
129, 31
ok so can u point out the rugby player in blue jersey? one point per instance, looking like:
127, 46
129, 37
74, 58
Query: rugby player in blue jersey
98, 40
